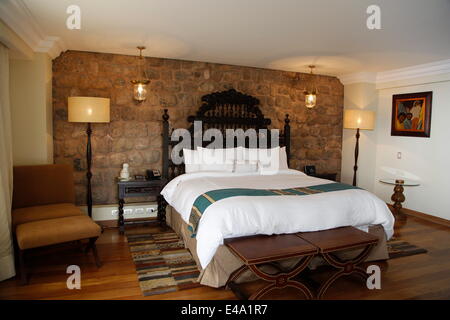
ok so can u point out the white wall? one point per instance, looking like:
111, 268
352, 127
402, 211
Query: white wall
30, 100
424, 159
31, 109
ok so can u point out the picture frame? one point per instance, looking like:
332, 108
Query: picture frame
411, 114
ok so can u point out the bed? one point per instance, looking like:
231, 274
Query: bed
285, 201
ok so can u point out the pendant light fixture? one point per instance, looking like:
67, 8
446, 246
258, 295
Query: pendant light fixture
311, 94
140, 84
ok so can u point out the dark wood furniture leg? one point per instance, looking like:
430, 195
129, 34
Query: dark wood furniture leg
278, 280
91, 245
121, 220
345, 268
329, 242
162, 204
257, 251
23, 268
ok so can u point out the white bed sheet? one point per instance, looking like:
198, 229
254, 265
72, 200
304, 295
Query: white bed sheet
249, 215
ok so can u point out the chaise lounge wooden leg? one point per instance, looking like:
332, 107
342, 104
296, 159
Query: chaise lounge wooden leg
23, 269
91, 245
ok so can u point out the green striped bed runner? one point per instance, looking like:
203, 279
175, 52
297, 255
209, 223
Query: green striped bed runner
206, 199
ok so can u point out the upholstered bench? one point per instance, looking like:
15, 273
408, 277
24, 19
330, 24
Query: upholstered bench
256, 251
330, 242
259, 250
54, 231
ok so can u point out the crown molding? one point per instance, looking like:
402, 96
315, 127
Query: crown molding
421, 70
18, 17
369, 77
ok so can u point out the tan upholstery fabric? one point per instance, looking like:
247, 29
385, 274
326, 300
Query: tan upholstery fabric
50, 211
225, 262
52, 231
42, 184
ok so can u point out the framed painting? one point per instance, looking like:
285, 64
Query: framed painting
411, 114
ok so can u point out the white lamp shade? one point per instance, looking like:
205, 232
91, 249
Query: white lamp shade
88, 109
359, 119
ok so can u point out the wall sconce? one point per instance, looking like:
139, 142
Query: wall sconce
140, 85
311, 94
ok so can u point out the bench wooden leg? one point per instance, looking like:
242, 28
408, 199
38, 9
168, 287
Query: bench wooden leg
278, 280
346, 268
235, 275
91, 245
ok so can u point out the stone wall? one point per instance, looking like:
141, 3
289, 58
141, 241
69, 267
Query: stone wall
134, 133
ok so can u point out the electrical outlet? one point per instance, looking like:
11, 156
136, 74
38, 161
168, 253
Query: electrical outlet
128, 211
139, 211
399, 155
150, 210
114, 212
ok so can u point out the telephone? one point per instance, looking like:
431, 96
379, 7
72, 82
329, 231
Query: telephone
310, 170
153, 174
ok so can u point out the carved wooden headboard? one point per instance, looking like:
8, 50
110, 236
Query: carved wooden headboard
222, 110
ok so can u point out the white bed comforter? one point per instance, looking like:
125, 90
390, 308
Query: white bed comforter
249, 215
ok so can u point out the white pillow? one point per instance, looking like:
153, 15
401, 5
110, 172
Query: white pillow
215, 160
192, 160
270, 160
283, 159
245, 166
224, 167
239, 160
228, 155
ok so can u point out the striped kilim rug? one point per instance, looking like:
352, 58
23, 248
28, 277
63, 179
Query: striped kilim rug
398, 248
162, 263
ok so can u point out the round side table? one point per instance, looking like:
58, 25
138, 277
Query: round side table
398, 197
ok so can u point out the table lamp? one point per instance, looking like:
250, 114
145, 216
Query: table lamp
88, 110
360, 120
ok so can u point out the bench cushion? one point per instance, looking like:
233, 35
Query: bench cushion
51, 211
263, 248
52, 231
338, 239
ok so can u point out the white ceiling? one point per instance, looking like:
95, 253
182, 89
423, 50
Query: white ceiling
277, 34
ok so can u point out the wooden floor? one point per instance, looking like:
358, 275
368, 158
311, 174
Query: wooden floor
423, 276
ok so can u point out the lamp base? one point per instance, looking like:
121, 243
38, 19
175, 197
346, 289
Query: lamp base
355, 167
89, 173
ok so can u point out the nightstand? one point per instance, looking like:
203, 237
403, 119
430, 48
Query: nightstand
141, 188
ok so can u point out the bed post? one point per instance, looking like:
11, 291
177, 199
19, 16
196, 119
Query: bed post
165, 137
287, 137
